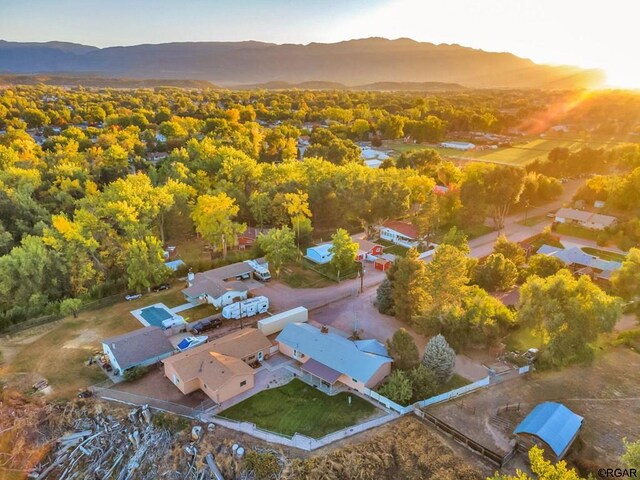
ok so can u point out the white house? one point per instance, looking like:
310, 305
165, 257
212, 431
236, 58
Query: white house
139, 348
400, 233
367, 250
593, 221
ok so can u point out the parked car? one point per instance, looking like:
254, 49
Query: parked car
162, 286
133, 296
204, 325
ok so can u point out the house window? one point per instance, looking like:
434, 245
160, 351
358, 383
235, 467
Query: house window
243, 383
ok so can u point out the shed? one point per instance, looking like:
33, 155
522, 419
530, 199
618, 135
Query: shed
141, 347
384, 261
552, 423
319, 254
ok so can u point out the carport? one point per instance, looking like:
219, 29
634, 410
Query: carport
554, 424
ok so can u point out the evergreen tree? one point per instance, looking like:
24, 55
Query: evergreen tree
409, 294
397, 388
404, 349
439, 357
384, 297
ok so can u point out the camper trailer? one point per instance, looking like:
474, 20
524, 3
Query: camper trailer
260, 270
246, 308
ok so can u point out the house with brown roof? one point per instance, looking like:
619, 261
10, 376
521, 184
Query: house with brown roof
220, 368
400, 233
139, 348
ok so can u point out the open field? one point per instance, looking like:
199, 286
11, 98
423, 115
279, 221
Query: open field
298, 407
59, 351
520, 154
296, 275
606, 393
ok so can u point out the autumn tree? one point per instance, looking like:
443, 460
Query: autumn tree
511, 251
626, 280
145, 264
544, 265
542, 469
213, 218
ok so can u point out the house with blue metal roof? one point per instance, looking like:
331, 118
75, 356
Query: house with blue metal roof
327, 358
553, 424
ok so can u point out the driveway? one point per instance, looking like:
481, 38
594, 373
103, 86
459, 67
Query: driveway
360, 313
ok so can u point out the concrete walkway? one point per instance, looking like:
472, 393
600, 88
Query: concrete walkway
183, 307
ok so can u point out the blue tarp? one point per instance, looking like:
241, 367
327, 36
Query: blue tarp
184, 343
174, 265
553, 423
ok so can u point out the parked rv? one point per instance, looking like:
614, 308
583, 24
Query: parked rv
260, 270
246, 308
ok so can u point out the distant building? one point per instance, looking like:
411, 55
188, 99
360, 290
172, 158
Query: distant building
579, 261
400, 233
590, 220
457, 145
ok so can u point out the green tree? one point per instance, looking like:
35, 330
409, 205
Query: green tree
145, 263
409, 295
456, 238
423, 382
496, 273
343, 252
567, 314
213, 218
626, 280
397, 388
70, 306
543, 469
511, 251
440, 358
544, 265
384, 297
279, 247
404, 350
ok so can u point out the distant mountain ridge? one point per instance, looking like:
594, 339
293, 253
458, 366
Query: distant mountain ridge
351, 63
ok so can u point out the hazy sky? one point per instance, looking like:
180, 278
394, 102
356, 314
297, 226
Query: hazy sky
588, 33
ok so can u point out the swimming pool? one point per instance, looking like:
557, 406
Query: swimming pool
155, 315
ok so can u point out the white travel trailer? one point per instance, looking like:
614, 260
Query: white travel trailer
246, 308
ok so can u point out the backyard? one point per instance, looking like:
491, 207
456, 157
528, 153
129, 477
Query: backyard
298, 407
59, 351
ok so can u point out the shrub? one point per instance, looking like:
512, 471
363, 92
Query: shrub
397, 388
134, 373
172, 423
264, 465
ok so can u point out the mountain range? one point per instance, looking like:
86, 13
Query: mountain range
375, 62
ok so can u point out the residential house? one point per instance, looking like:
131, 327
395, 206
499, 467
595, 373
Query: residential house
139, 348
221, 286
581, 262
590, 220
249, 237
220, 368
367, 250
327, 359
400, 233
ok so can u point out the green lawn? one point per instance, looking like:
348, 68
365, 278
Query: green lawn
456, 381
297, 276
198, 313
397, 250
520, 154
577, 231
604, 255
298, 407
522, 339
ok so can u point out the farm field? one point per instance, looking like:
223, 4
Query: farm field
519, 154
298, 407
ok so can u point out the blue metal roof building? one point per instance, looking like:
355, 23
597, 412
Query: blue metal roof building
554, 424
